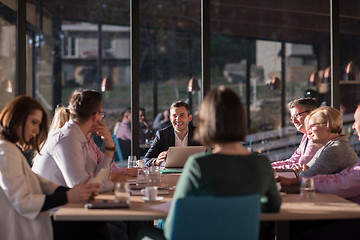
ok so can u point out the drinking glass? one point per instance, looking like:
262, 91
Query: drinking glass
307, 188
122, 192
154, 175
141, 177
132, 162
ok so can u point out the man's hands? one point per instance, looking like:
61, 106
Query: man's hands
161, 158
286, 181
83, 191
288, 185
104, 132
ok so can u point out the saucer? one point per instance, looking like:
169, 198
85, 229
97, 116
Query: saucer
146, 199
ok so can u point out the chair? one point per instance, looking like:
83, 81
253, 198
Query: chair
209, 217
118, 149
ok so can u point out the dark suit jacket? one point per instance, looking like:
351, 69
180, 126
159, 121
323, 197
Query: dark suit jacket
164, 139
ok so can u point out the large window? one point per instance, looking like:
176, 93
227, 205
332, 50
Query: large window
7, 59
268, 52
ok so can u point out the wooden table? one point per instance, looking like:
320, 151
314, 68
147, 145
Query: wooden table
324, 206
293, 208
139, 209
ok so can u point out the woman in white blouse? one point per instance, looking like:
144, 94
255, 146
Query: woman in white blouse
25, 197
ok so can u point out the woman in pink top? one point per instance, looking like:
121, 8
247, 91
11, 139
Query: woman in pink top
299, 109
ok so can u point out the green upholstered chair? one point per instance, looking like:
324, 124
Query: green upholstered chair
208, 217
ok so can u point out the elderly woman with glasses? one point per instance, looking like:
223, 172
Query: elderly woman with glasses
299, 109
324, 127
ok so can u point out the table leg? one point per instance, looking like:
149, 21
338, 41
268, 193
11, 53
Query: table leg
282, 230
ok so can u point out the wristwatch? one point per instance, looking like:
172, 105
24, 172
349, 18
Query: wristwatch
113, 149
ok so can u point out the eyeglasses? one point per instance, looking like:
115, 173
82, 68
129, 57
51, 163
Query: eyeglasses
314, 125
102, 113
298, 115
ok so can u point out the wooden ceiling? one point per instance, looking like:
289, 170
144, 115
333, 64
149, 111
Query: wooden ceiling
289, 20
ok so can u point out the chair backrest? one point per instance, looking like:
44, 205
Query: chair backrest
118, 149
209, 217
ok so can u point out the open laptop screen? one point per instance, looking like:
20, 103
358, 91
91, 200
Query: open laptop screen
177, 156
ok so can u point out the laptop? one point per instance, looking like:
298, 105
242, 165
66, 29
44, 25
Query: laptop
177, 156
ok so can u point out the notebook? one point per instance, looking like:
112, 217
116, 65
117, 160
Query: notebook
177, 156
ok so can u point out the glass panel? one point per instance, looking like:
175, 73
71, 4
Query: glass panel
280, 47
47, 23
80, 63
29, 64
10, 3
32, 15
170, 54
7, 61
44, 74
245, 36
349, 67
79, 56
266, 114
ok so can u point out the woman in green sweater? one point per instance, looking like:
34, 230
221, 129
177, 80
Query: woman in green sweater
229, 169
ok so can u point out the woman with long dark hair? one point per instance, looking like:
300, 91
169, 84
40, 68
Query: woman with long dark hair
25, 196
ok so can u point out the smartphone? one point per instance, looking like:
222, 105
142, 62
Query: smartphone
105, 205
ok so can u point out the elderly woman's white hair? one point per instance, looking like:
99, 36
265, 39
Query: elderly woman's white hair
329, 115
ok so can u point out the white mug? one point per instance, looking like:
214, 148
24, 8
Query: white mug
150, 192
141, 163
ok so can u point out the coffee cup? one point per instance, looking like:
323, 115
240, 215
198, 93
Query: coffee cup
141, 163
150, 193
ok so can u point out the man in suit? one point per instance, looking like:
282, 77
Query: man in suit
180, 133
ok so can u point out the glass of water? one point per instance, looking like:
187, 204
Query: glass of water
132, 162
154, 175
122, 192
141, 177
307, 188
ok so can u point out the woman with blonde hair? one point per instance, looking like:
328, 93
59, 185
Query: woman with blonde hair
61, 116
324, 127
